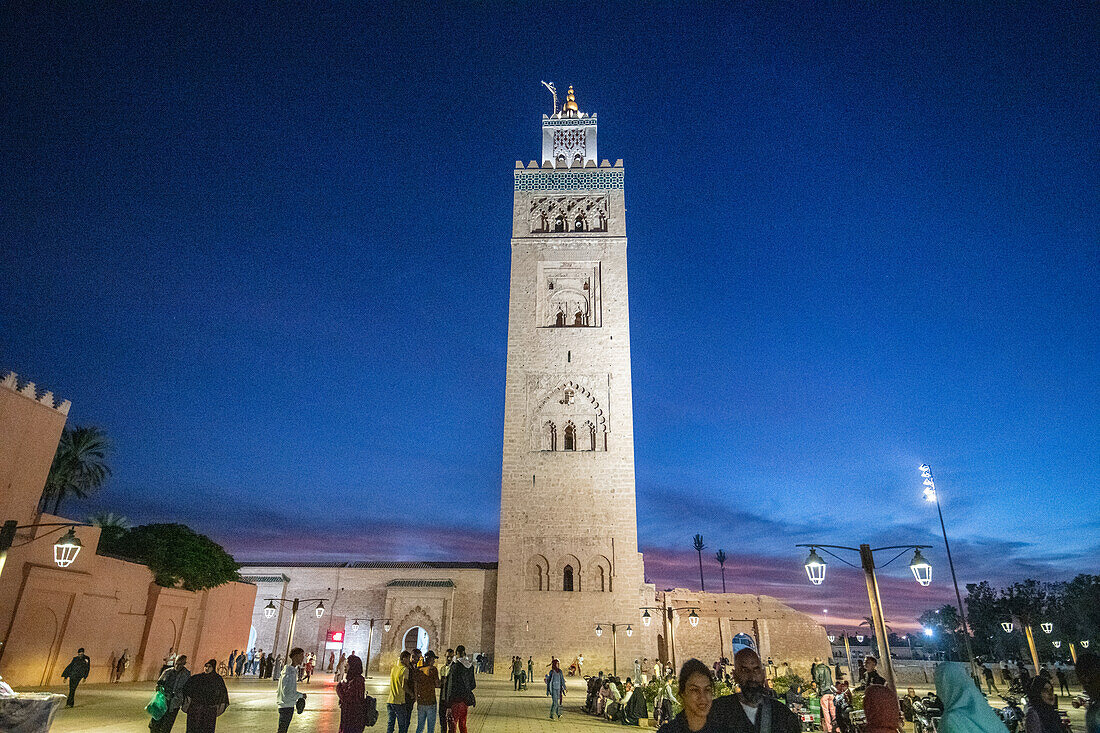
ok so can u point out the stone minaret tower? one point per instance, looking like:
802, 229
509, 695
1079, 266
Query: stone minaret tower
568, 524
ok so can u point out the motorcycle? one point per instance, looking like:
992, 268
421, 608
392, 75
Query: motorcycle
1011, 714
927, 712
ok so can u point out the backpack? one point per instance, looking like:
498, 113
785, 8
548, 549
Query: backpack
371, 711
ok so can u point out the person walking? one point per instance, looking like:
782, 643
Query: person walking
395, 704
637, 671
232, 661
444, 723
204, 699
460, 689
171, 683
555, 682
1063, 686
353, 698
341, 669
426, 681
76, 671
287, 696
530, 669
121, 665
1088, 674
238, 668
965, 709
517, 667
696, 687
990, 685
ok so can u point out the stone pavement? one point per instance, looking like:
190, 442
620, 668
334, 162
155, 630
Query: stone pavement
120, 709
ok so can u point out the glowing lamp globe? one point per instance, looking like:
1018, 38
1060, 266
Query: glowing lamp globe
1047, 627
815, 567
859, 638
922, 570
1007, 626
599, 630
693, 618
928, 632
269, 610
1057, 644
832, 638
355, 624
1084, 643
645, 618
629, 631
320, 610
386, 627
66, 549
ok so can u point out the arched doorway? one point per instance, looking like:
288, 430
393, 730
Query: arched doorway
415, 638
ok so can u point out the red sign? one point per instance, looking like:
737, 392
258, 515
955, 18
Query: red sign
336, 637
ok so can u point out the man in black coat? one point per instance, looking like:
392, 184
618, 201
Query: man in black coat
872, 677
78, 669
753, 709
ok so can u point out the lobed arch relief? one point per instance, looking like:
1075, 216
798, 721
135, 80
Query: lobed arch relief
568, 418
568, 574
568, 214
569, 295
415, 617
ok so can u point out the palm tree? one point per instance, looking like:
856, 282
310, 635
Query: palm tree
870, 624
79, 466
699, 547
720, 556
111, 526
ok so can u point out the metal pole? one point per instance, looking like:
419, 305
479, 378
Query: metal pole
958, 596
7, 537
671, 636
868, 560
1073, 653
290, 630
848, 651
614, 650
370, 640
1031, 646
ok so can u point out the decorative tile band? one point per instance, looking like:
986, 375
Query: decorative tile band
567, 180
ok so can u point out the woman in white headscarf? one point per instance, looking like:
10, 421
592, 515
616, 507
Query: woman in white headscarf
965, 709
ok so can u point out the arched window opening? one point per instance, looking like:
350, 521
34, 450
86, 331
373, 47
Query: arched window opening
578, 319
549, 436
600, 580
570, 437
559, 320
559, 224
578, 225
567, 578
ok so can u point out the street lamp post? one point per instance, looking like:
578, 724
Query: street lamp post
269, 611
614, 641
922, 571
931, 494
370, 637
668, 613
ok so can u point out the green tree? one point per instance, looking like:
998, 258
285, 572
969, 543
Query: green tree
985, 612
946, 629
697, 543
177, 555
870, 624
79, 466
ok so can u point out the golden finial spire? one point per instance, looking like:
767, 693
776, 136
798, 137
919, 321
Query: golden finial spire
570, 108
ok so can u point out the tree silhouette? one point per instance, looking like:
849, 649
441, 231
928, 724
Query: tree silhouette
720, 556
79, 466
699, 547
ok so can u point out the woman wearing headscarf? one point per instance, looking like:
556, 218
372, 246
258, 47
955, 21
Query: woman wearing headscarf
555, 683
880, 705
1042, 716
204, 699
965, 709
352, 695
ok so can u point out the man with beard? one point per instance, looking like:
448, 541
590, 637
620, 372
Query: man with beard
753, 709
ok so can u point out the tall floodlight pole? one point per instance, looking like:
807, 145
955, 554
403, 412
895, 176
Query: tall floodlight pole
930, 494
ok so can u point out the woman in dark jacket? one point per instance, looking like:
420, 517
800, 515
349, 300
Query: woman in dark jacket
1042, 716
353, 698
204, 699
697, 694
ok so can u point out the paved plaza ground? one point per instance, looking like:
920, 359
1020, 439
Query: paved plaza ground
120, 709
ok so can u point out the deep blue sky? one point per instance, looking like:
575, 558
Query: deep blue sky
267, 250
